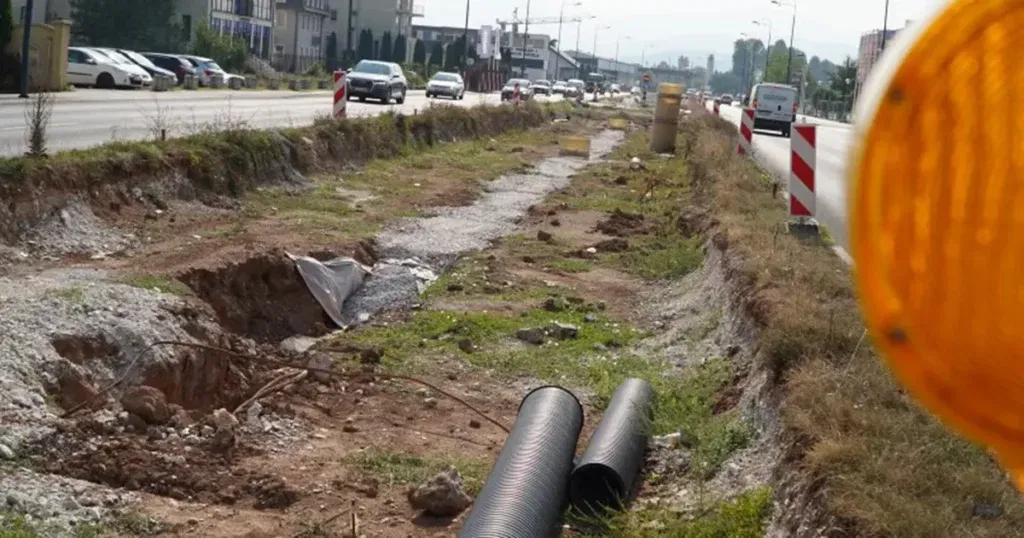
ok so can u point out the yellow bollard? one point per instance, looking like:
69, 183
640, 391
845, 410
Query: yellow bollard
619, 124
577, 146
666, 118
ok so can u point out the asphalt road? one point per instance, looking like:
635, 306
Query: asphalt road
772, 150
88, 117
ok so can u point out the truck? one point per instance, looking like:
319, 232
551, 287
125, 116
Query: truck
595, 83
774, 107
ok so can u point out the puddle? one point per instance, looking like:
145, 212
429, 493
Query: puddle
437, 241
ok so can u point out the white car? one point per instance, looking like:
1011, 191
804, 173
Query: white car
615, 88
122, 60
447, 84
774, 107
87, 67
559, 88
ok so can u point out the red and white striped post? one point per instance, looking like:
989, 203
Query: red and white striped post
714, 107
746, 140
340, 94
803, 161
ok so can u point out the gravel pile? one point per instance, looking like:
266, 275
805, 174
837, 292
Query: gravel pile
60, 306
57, 503
438, 240
75, 229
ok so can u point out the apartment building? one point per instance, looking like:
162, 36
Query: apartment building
870, 50
378, 16
42, 10
251, 20
299, 29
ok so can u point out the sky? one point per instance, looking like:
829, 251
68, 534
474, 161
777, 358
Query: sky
656, 30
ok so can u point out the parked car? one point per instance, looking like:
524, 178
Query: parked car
525, 92
541, 86
205, 69
120, 59
172, 62
143, 62
377, 80
447, 84
88, 67
559, 88
725, 99
574, 87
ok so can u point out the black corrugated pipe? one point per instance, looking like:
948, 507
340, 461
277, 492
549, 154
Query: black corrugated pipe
525, 494
606, 472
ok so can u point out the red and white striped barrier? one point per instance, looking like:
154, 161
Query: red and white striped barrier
746, 140
340, 94
803, 161
714, 108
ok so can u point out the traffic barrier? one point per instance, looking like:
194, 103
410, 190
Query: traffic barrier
803, 161
746, 140
714, 107
340, 94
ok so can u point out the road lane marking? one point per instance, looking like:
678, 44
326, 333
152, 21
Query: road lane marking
23, 127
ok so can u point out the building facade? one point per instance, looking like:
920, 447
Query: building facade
348, 18
299, 40
614, 71
870, 50
250, 20
42, 10
431, 36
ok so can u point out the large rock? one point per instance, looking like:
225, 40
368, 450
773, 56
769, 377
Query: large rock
442, 495
148, 403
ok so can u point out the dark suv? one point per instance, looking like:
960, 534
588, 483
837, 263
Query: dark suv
377, 80
177, 65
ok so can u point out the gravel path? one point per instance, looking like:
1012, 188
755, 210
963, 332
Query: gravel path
438, 240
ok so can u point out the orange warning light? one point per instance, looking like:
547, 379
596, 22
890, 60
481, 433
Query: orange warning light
936, 212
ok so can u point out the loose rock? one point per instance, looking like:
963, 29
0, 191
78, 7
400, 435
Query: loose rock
442, 495
531, 335
563, 331
148, 403
320, 366
544, 236
223, 420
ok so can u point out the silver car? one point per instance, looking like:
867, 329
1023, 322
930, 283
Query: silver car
446, 84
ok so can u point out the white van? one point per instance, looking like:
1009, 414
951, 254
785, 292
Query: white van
774, 107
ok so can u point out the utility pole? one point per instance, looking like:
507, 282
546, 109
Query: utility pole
349, 53
579, 67
558, 46
465, 40
526, 35
789, 62
885, 24
26, 49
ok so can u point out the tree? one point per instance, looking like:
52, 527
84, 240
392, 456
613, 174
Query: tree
385, 47
419, 53
725, 82
437, 54
398, 55
364, 51
121, 24
227, 50
331, 49
6, 24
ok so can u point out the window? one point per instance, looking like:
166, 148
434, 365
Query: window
186, 27
334, 14
282, 19
76, 57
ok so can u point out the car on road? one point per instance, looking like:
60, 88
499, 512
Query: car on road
510, 87
574, 87
377, 80
172, 62
447, 84
87, 67
559, 88
725, 99
120, 59
615, 88
541, 87
147, 65
205, 68
774, 107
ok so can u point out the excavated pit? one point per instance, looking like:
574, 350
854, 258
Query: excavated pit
265, 298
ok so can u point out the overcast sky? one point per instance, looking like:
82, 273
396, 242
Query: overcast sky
828, 28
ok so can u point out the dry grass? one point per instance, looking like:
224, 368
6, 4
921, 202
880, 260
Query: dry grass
884, 466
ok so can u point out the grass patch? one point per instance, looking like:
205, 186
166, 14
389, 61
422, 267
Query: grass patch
685, 399
571, 266
743, 517
886, 467
663, 257
71, 294
158, 284
407, 469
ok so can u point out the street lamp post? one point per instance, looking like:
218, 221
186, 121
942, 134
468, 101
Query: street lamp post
465, 40
579, 32
526, 36
792, 29
768, 47
597, 30
885, 24
616, 66
558, 47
